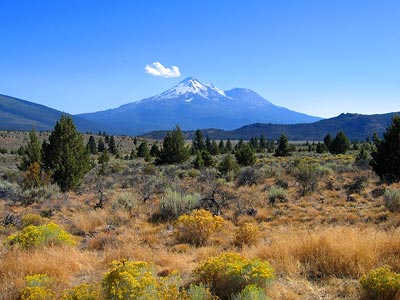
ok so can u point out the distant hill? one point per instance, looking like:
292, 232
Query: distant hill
17, 114
192, 105
355, 126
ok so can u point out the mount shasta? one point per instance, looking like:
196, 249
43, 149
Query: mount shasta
192, 105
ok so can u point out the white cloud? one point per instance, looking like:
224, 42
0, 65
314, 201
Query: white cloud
158, 69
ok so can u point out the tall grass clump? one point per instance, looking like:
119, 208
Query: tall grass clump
173, 204
392, 200
229, 273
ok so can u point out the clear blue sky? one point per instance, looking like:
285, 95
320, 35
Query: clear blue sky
318, 57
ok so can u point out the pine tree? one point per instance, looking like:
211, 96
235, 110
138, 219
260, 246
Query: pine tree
340, 144
221, 147
327, 141
198, 162
227, 165
386, 158
245, 155
112, 147
283, 146
31, 153
263, 142
65, 156
228, 146
214, 148
91, 145
101, 146
143, 150
174, 148
198, 143
154, 151
103, 159
208, 144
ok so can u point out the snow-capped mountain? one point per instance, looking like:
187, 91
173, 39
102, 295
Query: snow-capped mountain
192, 105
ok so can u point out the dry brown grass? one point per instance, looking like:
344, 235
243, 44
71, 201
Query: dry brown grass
66, 264
344, 252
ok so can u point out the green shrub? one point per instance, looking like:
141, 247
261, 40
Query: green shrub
127, 201
277, 194
250, 292
40, 194
381, 284
392, 200
44, 235
174, 204
136, 280
308, 176
230, 273
199, 292
197, 227
37, 287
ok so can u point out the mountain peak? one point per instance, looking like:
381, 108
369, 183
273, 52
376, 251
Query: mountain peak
191, 86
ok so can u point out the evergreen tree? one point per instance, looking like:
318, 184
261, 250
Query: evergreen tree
208, 144
386, 158
227, 165
135, 140
91, 145
198, 143
143, 150
327, 141
254, 143
320, 148
31, 153
101, 146
112, 147
228, 146
283, 146
245, 155
214, 148
198, 162
65, 155
207, 158
174, 148
340, 144
221, 147
103, 159
263, 142
154, 151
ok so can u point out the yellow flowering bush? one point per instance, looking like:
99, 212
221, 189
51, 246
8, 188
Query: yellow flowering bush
381, 284
197, 227
82, 292
247, 234
44, 235
136, 280
37, 288
230, 273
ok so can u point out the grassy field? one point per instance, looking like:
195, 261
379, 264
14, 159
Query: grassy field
319, 242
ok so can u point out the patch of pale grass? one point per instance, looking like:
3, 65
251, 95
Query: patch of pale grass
331, 251
64, 264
